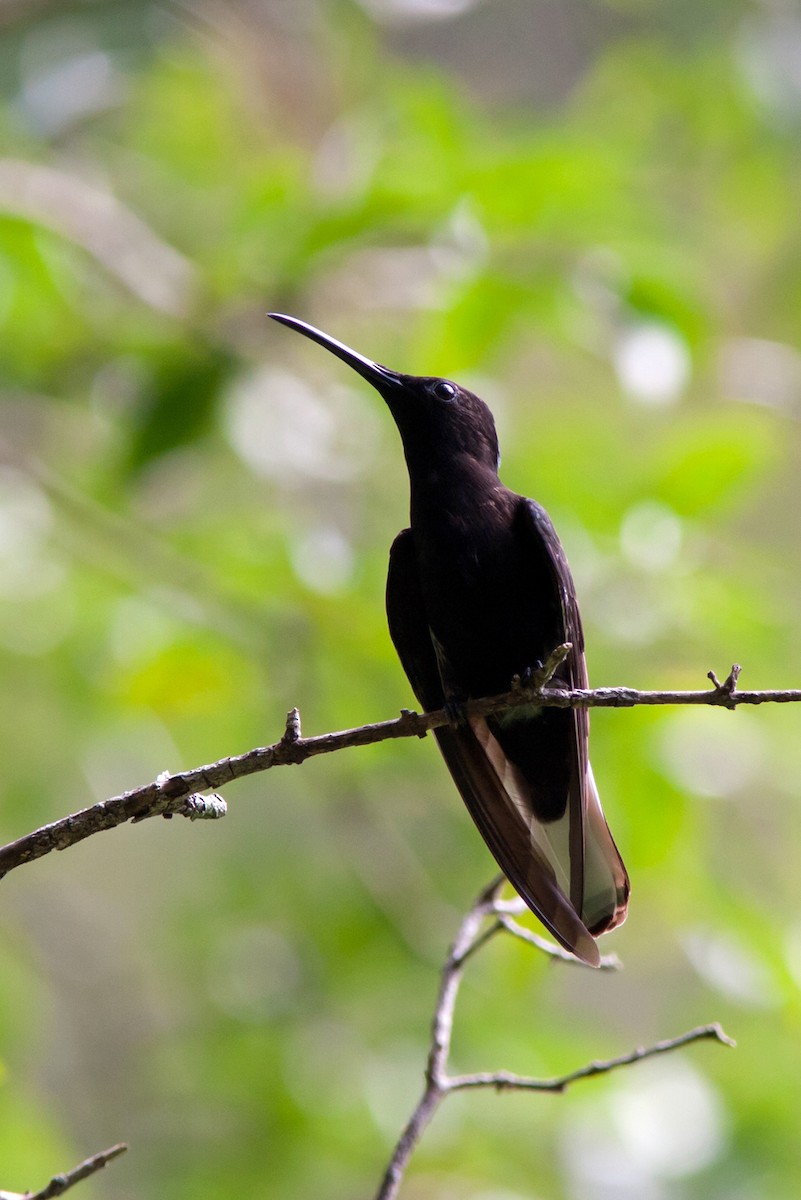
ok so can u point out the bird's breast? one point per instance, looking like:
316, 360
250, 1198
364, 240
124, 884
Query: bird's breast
491, 614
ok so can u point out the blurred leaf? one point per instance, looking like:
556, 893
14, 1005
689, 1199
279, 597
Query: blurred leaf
178, 401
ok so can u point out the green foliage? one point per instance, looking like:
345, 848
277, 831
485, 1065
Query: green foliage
195, 512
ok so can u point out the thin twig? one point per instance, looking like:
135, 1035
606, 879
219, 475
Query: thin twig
168, 794
439, 1084
609, 962
60, 1183
504, 1080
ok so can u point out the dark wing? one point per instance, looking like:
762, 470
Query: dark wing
491, 786
599, 884
408, 626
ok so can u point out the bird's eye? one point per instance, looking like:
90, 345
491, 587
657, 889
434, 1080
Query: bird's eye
444, 390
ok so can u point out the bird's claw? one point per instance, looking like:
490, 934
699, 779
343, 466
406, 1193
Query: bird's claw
530, 677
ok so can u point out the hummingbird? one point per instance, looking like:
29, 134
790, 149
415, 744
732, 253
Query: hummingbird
479, 592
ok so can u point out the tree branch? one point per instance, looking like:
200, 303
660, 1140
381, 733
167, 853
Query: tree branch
60, 1183
439, 1084
178, 794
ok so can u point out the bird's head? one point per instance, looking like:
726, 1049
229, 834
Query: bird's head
434, 415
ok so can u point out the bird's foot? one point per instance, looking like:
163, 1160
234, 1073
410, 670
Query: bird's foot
535, 677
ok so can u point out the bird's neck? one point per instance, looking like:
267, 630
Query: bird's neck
452, 484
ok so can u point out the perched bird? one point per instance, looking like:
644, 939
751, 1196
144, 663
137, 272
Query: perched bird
479, 591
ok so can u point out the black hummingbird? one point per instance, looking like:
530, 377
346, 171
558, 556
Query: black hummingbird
479, 591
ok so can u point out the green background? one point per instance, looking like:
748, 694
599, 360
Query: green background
588, 213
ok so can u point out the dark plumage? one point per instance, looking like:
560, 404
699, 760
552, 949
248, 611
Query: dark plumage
479, 590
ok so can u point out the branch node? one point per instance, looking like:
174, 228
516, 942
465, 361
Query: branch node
290, 748
292, 730
726, 690
410, 719
149, 806
171, 786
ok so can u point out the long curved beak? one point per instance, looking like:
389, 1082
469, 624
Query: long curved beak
373, 372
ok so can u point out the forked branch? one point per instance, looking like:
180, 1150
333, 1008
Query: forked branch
439, 1083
